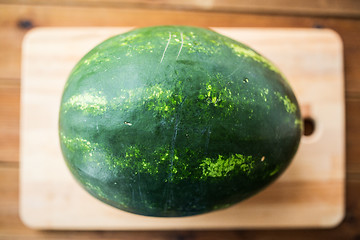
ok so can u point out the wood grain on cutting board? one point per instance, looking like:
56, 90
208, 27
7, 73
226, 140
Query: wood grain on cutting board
309, 194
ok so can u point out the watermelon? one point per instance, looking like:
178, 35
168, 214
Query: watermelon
173, 121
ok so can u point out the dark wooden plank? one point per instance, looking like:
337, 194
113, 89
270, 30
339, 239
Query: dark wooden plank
12, 228
344, 8
353, 137
9, 121
15, 16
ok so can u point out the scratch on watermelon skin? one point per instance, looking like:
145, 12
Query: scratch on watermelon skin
167, 45
176, 121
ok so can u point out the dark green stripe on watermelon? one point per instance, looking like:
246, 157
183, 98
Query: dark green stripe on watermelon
176, 121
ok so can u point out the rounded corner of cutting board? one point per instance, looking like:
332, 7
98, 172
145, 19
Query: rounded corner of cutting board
335, 35
32, 35
26, 217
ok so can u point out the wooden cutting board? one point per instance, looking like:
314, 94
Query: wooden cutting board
309, 194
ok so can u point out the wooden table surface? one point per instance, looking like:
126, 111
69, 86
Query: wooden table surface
17, 17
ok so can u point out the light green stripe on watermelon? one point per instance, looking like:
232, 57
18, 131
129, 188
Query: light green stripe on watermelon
92, 58
242, 51
156, 97
91, 102
275, 171
299, 123
264, 94
134, 158
290, 107
95, 189
222, 166
78, 144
